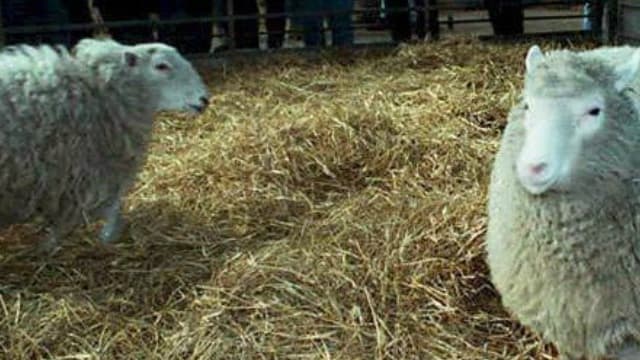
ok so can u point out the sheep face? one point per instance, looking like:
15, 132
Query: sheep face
176, 84
570, 107
556, 130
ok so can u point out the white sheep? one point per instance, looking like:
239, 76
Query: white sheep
71, 142
563, 238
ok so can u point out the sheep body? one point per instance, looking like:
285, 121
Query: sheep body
567, 262
71, 143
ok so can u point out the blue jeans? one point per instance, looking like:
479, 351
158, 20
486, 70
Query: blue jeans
312, 24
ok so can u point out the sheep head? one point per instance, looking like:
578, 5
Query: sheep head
175, 83
580, 126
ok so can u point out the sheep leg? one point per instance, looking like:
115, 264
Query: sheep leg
56, 232
50, 245
114, 223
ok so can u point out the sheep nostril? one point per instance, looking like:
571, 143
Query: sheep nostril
204, 100
538, 169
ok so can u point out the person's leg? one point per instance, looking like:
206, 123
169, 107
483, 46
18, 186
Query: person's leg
275, 26
170, 9
78, 14
341, 23
196, 37
514, 13
220, 37
399, 21
421, 23
507, 17
246, 30
24, 13
57, 14
597, 12
117, 10
311, 24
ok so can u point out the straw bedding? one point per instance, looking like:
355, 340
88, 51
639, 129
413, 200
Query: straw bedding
325, 207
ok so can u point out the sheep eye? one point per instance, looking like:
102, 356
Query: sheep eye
526, 106
594, 112
162, 67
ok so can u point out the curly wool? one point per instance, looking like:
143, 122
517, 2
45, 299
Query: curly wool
70, 144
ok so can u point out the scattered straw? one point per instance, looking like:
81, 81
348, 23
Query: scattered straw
325, 207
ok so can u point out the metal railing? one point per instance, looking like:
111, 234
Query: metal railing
432, 10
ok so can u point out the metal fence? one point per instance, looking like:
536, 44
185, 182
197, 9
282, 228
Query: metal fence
431, 18
628, 21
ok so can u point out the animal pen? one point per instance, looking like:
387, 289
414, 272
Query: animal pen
326, 206
368, 19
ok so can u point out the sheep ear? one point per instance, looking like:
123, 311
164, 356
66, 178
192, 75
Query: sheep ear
627, 71
534, 57
130, 59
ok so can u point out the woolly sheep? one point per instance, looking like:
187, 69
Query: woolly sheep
563, 244
71, 142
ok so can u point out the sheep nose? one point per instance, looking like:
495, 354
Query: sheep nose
538, 169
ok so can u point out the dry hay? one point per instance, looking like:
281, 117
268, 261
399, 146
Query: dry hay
325, 207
